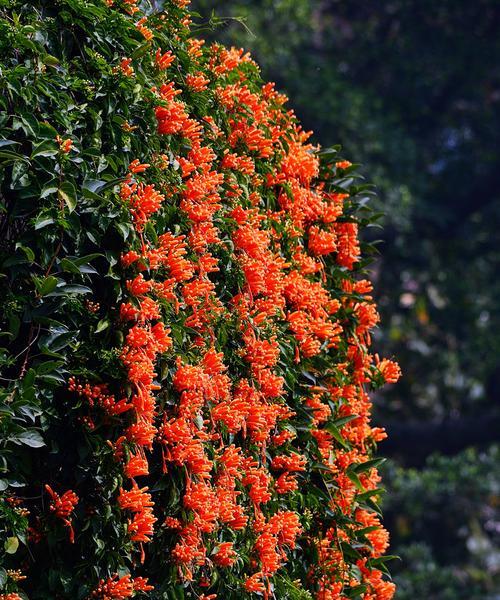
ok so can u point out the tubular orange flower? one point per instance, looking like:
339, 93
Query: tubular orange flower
390, 370
125, 67
120, 589
63, 506
136, 167
164, 60
254, 584
224, 555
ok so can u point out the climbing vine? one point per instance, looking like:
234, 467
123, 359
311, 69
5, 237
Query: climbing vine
186, 323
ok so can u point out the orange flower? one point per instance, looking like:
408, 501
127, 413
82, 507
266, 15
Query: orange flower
163, 61
286, 483
343, 164
198, 82
136, 466
64, 145
63, 506
138, 286
172, 523
348, 244
294, 462
390, 370
136, 167
136, 499
322, 242
146, 32
143, 201
125, 67
141, 526
120, 589
224, 555
254, 583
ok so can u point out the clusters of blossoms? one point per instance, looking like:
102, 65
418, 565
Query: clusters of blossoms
63, 506
239, 420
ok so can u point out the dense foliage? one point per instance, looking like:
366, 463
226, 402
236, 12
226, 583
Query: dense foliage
186, 323
411, 88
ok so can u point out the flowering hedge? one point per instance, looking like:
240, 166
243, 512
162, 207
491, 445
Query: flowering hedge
186, 323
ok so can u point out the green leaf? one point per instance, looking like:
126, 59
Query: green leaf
31, 438
42, 221
336, 434
67, 192
12, 156
4, 143
343, 420
356, 591
48, 366
69, 266
11, 545
71, 288
46, 148
354, 478
369, 464
30, 255
140, 50
50, 60
83, 260
76, 289
102, 325
47, 285
124, 229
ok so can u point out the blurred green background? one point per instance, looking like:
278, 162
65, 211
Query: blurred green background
411, 89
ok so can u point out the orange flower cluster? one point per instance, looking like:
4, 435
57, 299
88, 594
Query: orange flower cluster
98, 395
139, 502
63, 507
121, 588
264, 244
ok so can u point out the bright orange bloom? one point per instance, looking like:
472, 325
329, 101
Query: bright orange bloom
163, 61
143, 200
224, 555
251, 271
125, 67
254, 584
64, 145
294, 462
136, 466
138, 286
198, 83
146, 32
120, 589
136, 499
63, 506
390, 370
344, 164
136, 167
